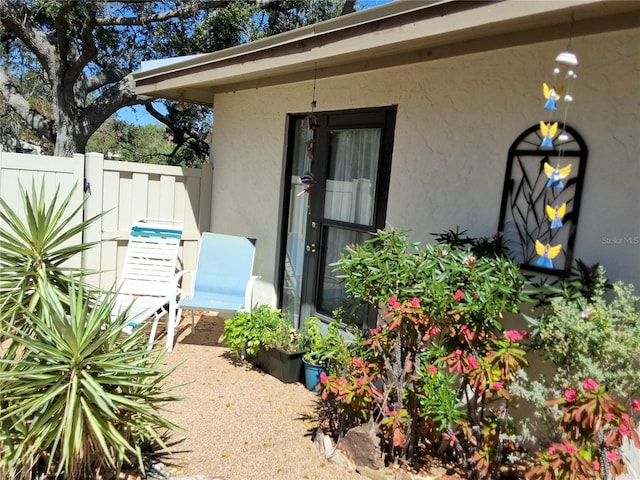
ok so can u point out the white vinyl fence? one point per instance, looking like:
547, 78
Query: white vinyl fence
125, 191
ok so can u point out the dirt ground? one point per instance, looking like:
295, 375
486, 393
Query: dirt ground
238, 422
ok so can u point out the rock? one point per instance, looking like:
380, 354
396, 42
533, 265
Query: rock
323, 443
362, 446
373, 474
342, 460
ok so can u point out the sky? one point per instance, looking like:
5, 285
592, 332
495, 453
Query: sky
137, 114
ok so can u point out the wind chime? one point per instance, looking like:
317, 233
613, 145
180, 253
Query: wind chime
559, 92
310, 122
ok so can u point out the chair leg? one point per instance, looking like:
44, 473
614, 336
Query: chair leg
193, 322
154, 326
171, 327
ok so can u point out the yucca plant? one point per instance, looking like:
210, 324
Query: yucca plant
35, 248
78, 398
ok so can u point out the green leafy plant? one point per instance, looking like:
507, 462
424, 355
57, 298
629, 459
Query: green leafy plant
330, 350
77, 399
36, 248
593, 427
440, 304
263, 327
592, 337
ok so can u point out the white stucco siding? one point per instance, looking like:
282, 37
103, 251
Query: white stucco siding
456, 120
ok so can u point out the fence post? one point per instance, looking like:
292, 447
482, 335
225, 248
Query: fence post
93, 186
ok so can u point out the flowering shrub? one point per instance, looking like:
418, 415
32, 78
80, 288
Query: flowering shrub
594, 427
439, 372
437, 363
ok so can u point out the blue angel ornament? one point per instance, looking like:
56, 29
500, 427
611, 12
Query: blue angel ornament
548, 131
556, 175
556, 214
547, 253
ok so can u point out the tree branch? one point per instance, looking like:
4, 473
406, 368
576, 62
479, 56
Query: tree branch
15, 19
160, 17
36, 121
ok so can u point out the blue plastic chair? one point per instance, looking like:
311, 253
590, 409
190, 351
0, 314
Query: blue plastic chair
223, 280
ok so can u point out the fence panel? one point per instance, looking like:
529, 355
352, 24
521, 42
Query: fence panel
125, 191
23, 170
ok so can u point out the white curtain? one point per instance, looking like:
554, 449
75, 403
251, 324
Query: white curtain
352, 175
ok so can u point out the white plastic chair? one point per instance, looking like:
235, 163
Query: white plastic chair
149, 283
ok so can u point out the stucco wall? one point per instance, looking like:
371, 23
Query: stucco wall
456, 121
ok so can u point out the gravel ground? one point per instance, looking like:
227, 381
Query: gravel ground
238, 422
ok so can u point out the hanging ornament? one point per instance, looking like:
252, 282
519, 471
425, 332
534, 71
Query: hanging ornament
307, 179
556, 175
547, 253
560, 90
548, 131
556, 214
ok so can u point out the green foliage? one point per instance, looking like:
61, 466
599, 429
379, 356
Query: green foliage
593, 428
77, 399
37, 247
443, 277
263, 327
436, 364
592, 338
331, 350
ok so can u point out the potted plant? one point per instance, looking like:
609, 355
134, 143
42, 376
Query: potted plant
266, 338
324, 352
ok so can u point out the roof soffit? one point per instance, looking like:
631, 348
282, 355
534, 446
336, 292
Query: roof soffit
441, 30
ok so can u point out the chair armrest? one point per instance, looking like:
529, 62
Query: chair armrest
248, 293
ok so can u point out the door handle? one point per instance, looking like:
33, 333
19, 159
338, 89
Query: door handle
311, 247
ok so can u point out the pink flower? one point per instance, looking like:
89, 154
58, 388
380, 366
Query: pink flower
433, 369
415, 302
590, 384
635, 405
458, 295
434, 331
624, 430
596, 465
552, 450
457, 353
496, 386
570, 448
374, 331
469, 260
393, 302
323, 378
473, 363
512, 335
476, 296
570, 395
357, 362
360, 382
612, 456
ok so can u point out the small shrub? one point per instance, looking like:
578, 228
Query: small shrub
76, 398
263, 327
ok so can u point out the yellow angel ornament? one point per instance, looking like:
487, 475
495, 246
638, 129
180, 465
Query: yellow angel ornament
556, 175
548, 131
556, 214
547, 253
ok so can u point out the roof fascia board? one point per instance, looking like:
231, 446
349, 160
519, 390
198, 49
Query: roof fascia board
337, 50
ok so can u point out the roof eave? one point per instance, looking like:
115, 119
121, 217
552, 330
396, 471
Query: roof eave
414, 33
